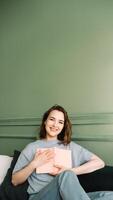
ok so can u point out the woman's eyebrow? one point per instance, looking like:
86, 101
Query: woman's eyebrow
61, 120
52, 117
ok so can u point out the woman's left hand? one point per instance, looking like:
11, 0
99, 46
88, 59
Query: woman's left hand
57, 169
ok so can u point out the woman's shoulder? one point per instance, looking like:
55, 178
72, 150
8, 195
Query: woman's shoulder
74, 145
32, 145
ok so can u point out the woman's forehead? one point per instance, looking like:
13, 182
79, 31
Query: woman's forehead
57, 114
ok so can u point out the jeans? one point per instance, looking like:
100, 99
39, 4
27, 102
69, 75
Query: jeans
64, 186
101, 195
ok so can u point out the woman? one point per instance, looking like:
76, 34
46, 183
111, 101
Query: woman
55, 131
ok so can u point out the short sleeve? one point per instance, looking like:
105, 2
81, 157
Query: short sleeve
25, 157
80, 155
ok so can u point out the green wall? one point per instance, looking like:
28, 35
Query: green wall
57, 51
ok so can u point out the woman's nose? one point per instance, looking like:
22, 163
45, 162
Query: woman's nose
55, 123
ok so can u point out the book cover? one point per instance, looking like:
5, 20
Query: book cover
62, 158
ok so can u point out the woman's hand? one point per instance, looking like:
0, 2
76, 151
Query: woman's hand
57, 169
42, 157
93, 164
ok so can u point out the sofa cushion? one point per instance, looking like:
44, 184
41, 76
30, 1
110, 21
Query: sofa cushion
5, 162
99, 180
7, 190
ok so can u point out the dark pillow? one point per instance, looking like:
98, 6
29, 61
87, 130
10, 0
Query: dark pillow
99, 180
7, 190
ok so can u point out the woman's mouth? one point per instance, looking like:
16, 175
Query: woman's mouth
53, 129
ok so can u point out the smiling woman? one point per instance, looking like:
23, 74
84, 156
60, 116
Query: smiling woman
55, 132
54, 124
59, 122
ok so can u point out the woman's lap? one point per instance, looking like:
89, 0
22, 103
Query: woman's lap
48, 192
64, 186
53, 190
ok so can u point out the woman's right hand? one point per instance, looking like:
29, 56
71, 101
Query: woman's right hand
42, 157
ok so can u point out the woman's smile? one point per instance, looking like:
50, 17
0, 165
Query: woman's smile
53, 129
54, 124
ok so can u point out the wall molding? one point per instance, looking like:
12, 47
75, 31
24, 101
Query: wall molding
78, 119
8, 126
92, 118
20, 121
87, 137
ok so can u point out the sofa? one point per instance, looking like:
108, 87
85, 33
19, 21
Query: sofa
98, 184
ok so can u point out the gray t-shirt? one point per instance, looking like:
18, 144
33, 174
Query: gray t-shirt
36, 181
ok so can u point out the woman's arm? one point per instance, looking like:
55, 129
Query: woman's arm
39, 159
93, 164
22, 175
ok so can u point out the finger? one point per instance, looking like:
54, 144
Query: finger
53, 173
59, 166
38, 152
50, 155
48, 161
50, 152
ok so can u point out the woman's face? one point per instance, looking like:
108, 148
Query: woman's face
54, 124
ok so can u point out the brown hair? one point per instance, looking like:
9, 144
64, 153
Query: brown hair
65, 135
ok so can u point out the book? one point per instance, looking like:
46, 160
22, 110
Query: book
62, 158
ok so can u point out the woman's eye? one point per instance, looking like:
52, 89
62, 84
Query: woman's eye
51, 119
61, 122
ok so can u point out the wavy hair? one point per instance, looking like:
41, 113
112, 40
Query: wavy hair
65, 135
